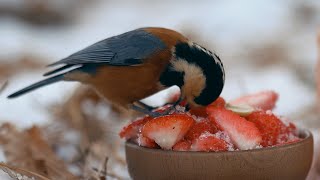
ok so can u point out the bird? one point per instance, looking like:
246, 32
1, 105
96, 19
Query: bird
136, 64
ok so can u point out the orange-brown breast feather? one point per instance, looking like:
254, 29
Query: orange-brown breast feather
123, 85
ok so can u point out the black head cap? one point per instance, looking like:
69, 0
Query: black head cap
211, 66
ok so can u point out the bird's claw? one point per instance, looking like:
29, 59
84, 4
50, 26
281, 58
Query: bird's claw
149, 110
166, 112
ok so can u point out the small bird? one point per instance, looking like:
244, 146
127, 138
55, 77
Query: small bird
134, 65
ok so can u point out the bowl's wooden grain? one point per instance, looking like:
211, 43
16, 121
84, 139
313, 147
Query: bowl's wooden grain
283, 162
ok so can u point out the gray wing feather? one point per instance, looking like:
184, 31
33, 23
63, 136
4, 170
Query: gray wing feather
125, 49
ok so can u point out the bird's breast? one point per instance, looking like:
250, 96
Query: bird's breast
125, 84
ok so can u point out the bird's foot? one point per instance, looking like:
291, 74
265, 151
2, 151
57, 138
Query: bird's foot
149, 110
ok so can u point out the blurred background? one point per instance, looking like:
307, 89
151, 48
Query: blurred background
266, 44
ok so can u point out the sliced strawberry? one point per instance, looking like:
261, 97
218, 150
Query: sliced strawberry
132, 130
146, 142
264, 100
182, 145
201, 111
199, 128
291, 128
244, 134
269, 126
198, 111
168, 130
183, 103
288, 134
220, 102
208, 142
291, 141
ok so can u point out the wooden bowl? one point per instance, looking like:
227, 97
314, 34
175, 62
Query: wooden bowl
291, 161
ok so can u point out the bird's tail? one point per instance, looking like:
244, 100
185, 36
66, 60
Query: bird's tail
37, 85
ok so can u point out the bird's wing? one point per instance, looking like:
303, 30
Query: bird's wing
126, 49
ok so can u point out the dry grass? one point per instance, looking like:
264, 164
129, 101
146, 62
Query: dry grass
37, 12
28, 151
36, 152
96, 149
26, 62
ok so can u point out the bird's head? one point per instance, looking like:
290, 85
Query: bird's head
197, 71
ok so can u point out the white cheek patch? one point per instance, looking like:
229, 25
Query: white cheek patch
194, 79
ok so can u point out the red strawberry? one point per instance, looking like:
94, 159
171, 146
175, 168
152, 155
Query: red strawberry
208, 142
220, 102
183, 103
244, 134
290, 127
269, 126
201, 127
291, 141
264, 100
132, 130
198, 111
201, 111
182, 145
288, 134
168, 130
146, 142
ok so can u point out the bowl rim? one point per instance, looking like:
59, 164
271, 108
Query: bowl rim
306, 134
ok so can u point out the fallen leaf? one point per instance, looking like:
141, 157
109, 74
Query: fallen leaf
21, 174
28, 150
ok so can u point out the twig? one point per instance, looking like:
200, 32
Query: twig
103, 172
4, 86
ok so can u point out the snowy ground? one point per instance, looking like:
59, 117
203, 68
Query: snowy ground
231, 28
